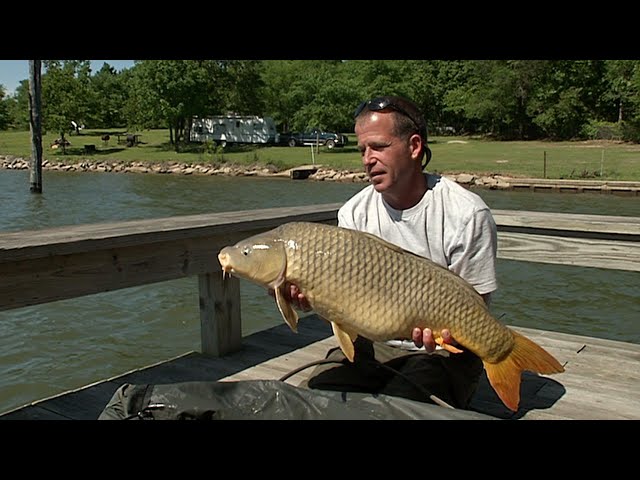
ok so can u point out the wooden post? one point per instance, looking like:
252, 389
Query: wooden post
544, 168
35, 125
220, 324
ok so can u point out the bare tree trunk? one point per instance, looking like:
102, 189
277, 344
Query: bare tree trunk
620, 112
35, 125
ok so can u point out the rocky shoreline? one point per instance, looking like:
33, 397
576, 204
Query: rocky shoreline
322, 174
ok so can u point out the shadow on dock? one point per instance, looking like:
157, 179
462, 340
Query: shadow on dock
536, 393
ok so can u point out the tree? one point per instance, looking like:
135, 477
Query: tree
496, 95
280, 96
240, 85
326, 96
4, 109
566, 97
621, 90
174, 90
18, 107
66, 95
110, 96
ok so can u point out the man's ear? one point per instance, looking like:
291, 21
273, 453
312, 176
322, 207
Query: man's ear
415, 144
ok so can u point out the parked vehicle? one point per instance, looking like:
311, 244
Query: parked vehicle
313, 137
228, 129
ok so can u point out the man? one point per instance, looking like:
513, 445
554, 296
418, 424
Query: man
426, 214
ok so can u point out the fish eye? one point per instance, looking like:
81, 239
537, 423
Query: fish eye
245, 251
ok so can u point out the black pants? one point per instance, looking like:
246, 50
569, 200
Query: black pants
381, 368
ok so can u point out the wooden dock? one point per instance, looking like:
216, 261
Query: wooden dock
616, 187
602, 378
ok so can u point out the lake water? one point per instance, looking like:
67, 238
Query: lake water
50, 348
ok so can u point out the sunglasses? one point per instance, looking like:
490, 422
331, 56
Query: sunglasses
382, 103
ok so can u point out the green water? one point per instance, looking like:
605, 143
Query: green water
54, 347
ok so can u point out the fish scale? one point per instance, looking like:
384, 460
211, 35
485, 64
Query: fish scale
385, 292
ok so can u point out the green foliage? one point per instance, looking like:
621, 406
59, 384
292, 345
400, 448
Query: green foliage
106, 110
501, 99
4, 110
66, 95
631, 131
214, 151
562, 119
18, 107
595, 130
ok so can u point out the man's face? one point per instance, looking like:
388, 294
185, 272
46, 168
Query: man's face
388, 160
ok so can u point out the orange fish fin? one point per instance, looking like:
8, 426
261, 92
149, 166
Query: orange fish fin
345, 339
447, 346
505, 375
289, 315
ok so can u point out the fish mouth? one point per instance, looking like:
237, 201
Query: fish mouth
227, 269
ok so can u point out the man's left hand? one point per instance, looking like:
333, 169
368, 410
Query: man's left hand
425, 337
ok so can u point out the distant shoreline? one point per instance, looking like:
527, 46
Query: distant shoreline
499, 182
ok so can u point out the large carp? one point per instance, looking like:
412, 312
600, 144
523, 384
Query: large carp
366, 286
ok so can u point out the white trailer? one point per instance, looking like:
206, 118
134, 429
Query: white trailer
228, 129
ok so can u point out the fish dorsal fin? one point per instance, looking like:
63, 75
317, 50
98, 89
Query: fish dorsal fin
289, 315
345, 338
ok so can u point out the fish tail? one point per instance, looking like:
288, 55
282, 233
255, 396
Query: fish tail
505, 375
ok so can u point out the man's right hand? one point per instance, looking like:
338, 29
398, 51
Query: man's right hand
294, 296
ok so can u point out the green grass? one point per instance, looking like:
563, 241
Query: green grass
616, 161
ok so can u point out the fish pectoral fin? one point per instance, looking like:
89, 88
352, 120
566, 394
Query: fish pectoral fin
286, 310
447, 346
345, 338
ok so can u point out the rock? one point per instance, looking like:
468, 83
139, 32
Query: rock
465, 178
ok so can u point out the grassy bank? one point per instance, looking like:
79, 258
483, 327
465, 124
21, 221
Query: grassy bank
588, 160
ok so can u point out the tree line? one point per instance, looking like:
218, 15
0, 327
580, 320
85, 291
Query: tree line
502, 99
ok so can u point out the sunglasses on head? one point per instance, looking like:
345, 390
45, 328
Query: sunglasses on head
382, 103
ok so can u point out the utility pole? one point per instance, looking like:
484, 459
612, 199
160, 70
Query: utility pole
35, 124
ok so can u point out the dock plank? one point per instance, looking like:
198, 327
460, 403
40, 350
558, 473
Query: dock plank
612, 227
583, 252
602, 378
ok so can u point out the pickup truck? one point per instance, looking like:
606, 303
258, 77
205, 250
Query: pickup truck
328, 139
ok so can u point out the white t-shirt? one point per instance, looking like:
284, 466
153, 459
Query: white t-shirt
450, 225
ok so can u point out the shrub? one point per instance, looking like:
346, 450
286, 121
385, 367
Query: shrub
595, 130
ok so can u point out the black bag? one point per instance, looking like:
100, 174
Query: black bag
266, 400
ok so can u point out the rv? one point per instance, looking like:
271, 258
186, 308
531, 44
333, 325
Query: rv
227, 129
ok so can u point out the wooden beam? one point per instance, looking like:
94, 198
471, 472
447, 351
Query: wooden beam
569, 251
92, 237
221, 327
607, 227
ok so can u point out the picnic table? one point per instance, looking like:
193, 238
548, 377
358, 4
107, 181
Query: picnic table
130, 139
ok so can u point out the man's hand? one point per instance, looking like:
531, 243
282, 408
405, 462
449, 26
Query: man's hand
425, 337
294, 296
